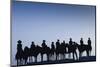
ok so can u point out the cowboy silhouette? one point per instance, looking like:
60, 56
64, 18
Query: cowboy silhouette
89, 48
19, 54
19, 45
45, 50
57, 43
32, 49
52, 45
70, 47
89, 41
57, 49
70, 42
44, 44
81, 41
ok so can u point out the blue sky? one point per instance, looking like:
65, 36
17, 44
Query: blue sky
33, 21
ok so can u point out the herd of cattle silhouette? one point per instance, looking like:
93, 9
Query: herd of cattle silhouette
57, 50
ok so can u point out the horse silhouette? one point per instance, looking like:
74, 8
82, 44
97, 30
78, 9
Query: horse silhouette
19, 55
32, 51
26, 54
37, 51
63, 49
52, 50
45, 50
85, 47
60, 50
72, 47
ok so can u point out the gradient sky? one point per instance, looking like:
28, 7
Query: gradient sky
33, 21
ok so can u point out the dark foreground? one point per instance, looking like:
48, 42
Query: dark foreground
82, 59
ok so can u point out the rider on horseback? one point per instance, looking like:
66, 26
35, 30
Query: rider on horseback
19, 54
89, 46
89, 42
57, 49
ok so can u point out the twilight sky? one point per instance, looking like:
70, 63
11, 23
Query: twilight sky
33, 21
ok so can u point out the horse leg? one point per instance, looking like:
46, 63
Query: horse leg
60, 56
87, 53
73, 56
80, 54
36, 59
90, 53
20, 62
56, 56
41, 57
17, 62
50, 56
25, 61
47, 57
69, 55
76, 55
31, 59
63, 56
28, 59
53, 56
